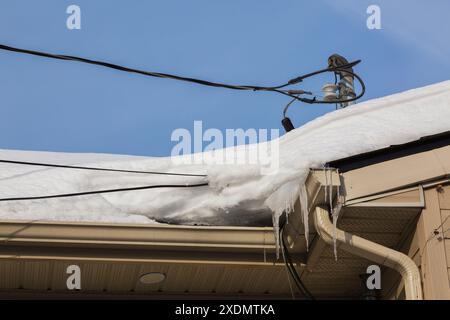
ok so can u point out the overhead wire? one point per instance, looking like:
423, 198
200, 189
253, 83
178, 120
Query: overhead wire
99, 169
340, 69
294, 94
291, 268
288, 105
279, 89
76, 194
105, 190
288, 273
142, 72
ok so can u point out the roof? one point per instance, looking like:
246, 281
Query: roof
208, 262
237, 194
392, 152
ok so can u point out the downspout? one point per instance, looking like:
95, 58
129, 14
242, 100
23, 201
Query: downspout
371, 251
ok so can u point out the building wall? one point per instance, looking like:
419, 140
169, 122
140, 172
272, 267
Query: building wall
444, 203
430, 244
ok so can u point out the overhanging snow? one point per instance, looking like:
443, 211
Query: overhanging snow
237, 195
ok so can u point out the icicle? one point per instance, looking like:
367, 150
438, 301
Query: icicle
330, 192
338, 187
325, 170
282, 201
276, 228
334, 237
335, 215
287, 215
303, 198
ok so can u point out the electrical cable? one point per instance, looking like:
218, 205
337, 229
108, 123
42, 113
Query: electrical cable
288, 273
287, 106
277, 89
293, 272
76, 194
292, 101
287, 123
147, 73
361, 82
434, 235
99, 169
436, 232
291, 268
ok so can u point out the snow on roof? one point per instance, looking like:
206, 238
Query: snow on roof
237, 194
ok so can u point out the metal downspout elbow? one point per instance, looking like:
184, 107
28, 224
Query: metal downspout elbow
371, 251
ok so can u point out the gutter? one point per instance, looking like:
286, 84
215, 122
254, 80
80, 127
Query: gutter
149, 236
371, 251
49, 240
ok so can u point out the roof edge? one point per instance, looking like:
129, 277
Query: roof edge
423, 144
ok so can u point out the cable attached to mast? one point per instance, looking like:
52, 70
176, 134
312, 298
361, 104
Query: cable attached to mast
279, 89
336, 64
340, 93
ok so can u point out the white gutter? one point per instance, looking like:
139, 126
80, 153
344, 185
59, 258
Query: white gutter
371, 251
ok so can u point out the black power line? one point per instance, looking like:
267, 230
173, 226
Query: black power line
100, 169
291, 268
142, 72
291, 93
76, 194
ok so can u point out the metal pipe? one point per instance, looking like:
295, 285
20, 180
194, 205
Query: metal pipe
371, 251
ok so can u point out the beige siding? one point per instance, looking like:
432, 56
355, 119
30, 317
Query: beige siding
446, 232
447, 251
432, 251
444, 203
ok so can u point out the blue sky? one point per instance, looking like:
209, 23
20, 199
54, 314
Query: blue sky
67, 106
